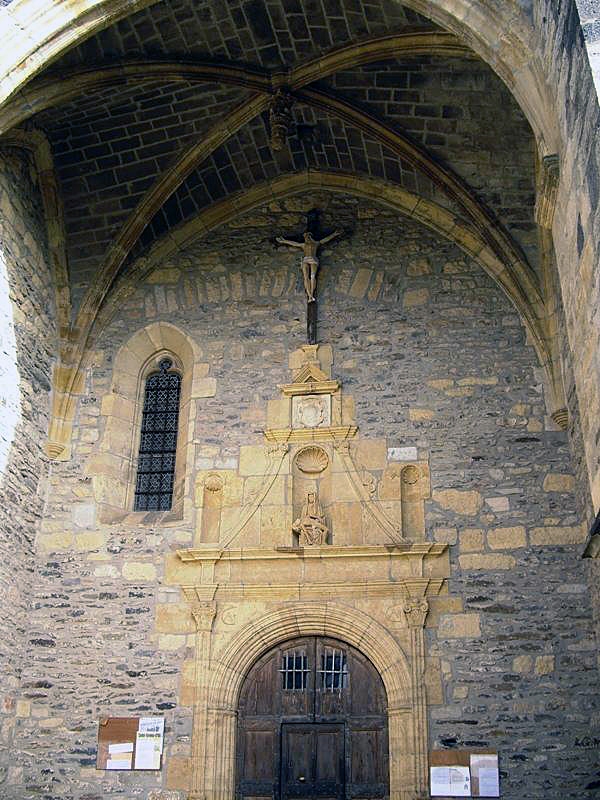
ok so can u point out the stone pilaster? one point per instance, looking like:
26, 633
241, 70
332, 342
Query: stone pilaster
203, 609
415, 610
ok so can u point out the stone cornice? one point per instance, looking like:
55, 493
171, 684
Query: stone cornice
356, 590
417, 550
330, 434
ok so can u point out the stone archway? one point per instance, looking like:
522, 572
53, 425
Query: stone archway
222, 665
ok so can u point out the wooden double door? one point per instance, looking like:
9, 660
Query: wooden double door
312, 723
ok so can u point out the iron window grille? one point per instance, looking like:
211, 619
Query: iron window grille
334, 670
294, 671
158, 441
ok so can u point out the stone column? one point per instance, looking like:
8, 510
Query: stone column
415, 610
203, 609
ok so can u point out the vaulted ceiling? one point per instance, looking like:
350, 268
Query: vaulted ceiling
164, 115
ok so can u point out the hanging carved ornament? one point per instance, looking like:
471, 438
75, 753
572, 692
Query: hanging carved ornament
311, 460
369, 481
213, 483
280, 118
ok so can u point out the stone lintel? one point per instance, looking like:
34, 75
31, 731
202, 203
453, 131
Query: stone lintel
330, 434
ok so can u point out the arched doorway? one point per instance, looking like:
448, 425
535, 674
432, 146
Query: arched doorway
312, 723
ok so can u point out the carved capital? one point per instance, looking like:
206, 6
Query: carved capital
204, 614
416, 610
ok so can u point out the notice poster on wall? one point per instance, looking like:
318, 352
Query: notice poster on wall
127, 743
485, 776
452, 781
464, 773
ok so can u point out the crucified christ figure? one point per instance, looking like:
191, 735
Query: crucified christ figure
310, 262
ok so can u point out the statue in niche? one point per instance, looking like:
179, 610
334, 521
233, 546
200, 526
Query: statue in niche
310, 262
310, 525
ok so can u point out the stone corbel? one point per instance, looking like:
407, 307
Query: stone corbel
547, 190
202, 605
204, 614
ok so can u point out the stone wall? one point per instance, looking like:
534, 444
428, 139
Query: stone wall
435, 359
28, 348
576, 227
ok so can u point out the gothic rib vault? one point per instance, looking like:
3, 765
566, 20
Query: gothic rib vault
160, 198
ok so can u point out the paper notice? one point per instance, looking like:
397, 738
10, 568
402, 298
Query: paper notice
152, 725
440, 781
450, 781
486, 777
148, 749
124, 747
489, 783
118, 763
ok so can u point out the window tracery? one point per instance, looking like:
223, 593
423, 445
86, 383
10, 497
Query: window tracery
158, 440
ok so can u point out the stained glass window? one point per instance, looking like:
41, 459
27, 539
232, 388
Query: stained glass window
158, 443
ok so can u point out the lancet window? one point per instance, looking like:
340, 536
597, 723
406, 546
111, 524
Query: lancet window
158, 440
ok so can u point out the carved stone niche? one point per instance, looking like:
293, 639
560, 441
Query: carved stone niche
311, 489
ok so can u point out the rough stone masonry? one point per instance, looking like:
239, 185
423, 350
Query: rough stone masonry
435, 358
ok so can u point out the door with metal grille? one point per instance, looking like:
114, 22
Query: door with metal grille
312, 723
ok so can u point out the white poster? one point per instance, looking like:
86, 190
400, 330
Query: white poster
450, 781
148, 749
118, 763
486, 776
124, 747
152, 725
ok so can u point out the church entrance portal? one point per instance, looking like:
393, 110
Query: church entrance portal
312, 724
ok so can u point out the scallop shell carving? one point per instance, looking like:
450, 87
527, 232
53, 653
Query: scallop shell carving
312, 460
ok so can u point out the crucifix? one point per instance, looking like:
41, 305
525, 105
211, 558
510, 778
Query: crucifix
310, 267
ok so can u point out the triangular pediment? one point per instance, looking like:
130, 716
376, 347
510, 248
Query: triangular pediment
310, 373
310, 379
